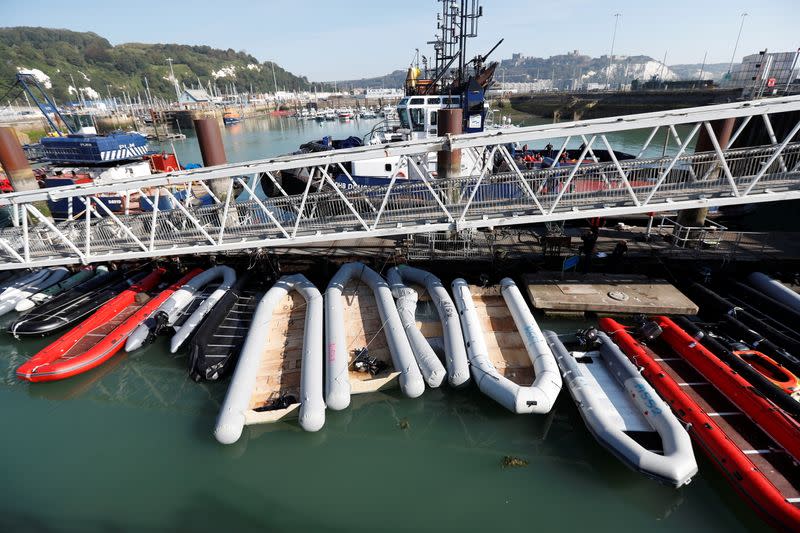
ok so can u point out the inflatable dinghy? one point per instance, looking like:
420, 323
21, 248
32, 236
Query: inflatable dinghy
624, 413
736, 446
509, 358
775, 290
101, 335
217, 341
782, 428
47, 294
279, 373
30, 285
367, 348
172, 309
454, 350
74, 305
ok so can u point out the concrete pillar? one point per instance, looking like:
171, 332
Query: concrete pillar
16, 166
723, 129
213, 151
448, 162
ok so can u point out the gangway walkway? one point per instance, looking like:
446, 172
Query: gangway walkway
495, 193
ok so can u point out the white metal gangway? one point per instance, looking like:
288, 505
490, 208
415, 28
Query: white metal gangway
498, 191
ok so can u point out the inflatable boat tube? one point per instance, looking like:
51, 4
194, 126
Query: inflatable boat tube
677, 465
217, 341
183, 331
783, 429
13, 296
454, 349
73, 305
169, 311
540, 396
759, 370
775, 290
233, 414
752, 484
98, 337
337, 380
56, 289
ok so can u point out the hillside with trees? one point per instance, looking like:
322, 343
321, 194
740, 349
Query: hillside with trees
92, 62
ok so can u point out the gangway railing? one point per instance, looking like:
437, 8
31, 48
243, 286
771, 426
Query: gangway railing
494, 191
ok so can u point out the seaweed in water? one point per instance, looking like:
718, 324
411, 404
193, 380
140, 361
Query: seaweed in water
509, 461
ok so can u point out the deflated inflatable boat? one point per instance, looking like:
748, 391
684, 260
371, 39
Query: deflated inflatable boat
623, 412
454, 349
504, 373
29, 285
62, 286
274, 377
365, 353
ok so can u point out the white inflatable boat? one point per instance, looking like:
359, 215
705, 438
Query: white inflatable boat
367, 348
168, 313
279, 372
509, 358
455, 353
28, 285
624, 413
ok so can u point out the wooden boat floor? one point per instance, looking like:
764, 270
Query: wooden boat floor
281, 360
771, 460
504, 343
88, 341
364, 328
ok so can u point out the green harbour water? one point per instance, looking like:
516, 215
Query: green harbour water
129, 447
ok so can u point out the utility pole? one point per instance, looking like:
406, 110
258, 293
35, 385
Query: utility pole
611, 55
736, 46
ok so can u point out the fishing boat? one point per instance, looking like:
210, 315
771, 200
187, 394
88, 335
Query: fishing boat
217, 341
623, 412
73, 305
762, 476
177, 306
345, 114
103, 334
454, 351
279, 372
781, 428
509, 357
366, 346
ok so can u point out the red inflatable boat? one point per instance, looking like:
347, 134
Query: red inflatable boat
102, 335
762, 475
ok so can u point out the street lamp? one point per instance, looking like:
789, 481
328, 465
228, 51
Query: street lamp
736, 46
611, 55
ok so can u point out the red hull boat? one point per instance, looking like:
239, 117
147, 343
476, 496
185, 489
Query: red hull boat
103, 334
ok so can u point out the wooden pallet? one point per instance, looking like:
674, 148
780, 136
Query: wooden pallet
506, 350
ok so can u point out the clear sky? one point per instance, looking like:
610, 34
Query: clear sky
345, 39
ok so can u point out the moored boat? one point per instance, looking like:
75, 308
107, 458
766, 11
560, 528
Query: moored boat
736, 445
279, 372
509, 358
217, 341
102, 335
62, 286
366, 347
781, 428
455, 354
624, 413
